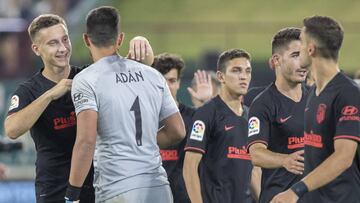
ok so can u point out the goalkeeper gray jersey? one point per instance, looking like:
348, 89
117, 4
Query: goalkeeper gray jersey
130, 99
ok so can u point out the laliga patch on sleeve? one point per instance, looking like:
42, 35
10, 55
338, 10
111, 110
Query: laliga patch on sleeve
14, 102
79, 99
198, 130
254, 126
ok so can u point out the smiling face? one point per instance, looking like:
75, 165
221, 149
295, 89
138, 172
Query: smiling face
237, 76
53, 45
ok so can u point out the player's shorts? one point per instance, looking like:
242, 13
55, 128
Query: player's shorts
158, 194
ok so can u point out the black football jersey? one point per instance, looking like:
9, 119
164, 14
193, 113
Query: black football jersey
331, 115
277, 121
220, 135
54, 136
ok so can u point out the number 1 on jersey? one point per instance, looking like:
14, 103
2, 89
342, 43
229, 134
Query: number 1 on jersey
138, 125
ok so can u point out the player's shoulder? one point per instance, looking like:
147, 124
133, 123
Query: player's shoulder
209, 107
345, 85
265, 96
34, 82
186, 110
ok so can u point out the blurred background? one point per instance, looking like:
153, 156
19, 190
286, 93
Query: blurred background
196, 30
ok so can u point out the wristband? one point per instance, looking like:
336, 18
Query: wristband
72, 193
299, 188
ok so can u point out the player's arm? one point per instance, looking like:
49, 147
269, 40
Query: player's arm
255, 184
172, 132
16, 124
262, 157
83, 152
327, 171
140, 50
191, 176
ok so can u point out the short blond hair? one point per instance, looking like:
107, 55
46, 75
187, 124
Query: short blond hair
43, 21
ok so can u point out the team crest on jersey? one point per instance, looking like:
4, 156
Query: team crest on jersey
198, 130
14, 102
320, 114
254, 126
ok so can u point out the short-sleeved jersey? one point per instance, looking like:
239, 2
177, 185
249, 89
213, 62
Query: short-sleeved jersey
54, 136
252, 94
220, 135
278, 122
173, 159
333, 114
130, 99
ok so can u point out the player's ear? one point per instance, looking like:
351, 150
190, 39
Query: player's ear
120, 39
271, 63
275, 61
312, 49
86, 39
220, 76
35, 49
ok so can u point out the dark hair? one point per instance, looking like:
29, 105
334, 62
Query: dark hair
165, 62
229, 55
103, 25
328, 34
284, 37
43, 21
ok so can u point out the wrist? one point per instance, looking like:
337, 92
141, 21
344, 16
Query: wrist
72, 193
49, 96
299, 188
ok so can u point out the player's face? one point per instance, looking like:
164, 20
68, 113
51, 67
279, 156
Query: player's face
290, 63
237, 76
305, 60
173, 81
54, 46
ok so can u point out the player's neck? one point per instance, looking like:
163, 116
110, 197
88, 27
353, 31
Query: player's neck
234, 102
324, 71
99, 53
289, 89
56, 74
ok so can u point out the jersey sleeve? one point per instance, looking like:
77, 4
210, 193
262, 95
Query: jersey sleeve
168, 105
19, 100
83, 95
259, 122
347, 115
201, 130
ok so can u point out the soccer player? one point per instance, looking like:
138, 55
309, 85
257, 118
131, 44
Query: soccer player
43, 105
332, 130
171, 66
119, 104
276, 119
217, 167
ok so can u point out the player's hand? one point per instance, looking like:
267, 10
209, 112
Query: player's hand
2, 171
140, 50
204, 88
294, 162
285, 197
60, 89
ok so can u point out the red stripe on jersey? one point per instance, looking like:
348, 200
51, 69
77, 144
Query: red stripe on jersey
239, 156
194, 149
296, 146
347, 137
